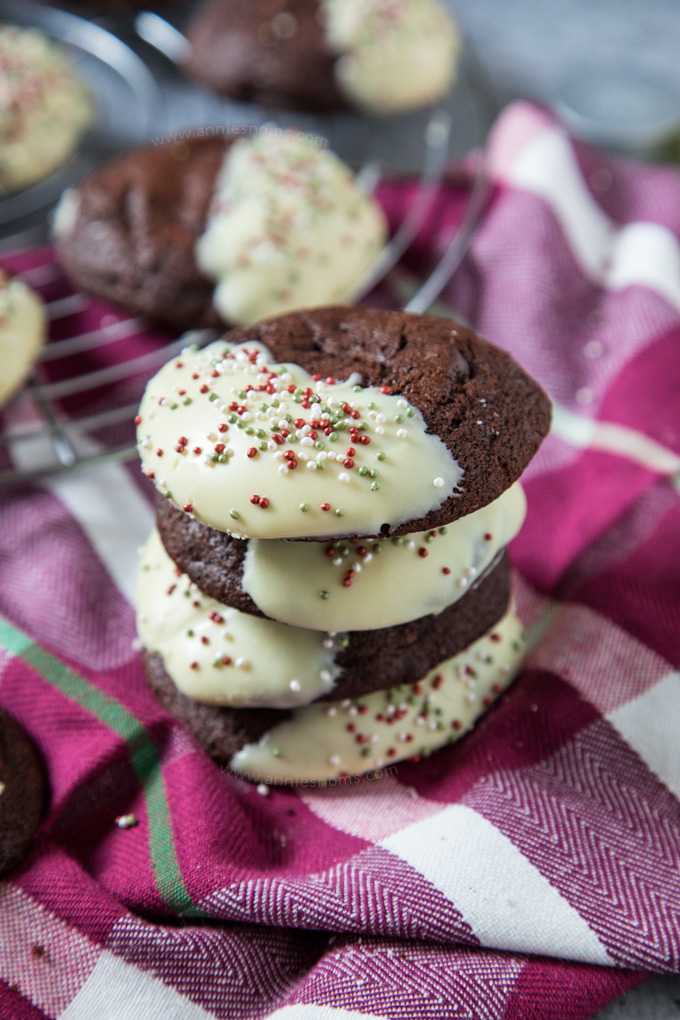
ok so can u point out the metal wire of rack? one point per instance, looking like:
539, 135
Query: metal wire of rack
78, 406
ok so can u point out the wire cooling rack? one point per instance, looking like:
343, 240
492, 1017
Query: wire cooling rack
78, 406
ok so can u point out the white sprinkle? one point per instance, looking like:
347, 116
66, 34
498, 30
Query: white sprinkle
126, 821
438, 482
241, 662
295, 685
352, 710
410, 544
322, 456
471, 698
343, 477
306, 441
283, 469
402, 403
311, 465
420, 720
334, 760
337, 561
379, 430
402, 433
345, 703
211, 437
381, 418
471, 572
375, 738
330, 712
302, 456
462, 582
262, 789
368, 557
326, 676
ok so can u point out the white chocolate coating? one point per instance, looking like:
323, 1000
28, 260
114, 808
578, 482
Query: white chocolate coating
395, 55
288, 228
270, 462
219, 656
330, 739
22, 333
44, 108
352, 585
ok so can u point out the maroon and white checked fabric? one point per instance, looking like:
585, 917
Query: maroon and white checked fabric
531, 871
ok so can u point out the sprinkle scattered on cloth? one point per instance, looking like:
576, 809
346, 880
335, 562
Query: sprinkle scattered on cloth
529, 872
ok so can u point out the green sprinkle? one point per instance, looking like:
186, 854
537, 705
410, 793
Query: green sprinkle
173, 407
276, 751
333, 437
304, 507
399, 540
377, 547
187, 401
232, 419
167, 494
442, 531
213, 396
373, 472
371, 406
222, 459
250, 431
429, 537
357, 389
263, 446
410, 411
381, 456
375, 486
339, 512
263, 407
324, 595
234, 514
190, 633
398, 418
260, 433
366, 752
363, 471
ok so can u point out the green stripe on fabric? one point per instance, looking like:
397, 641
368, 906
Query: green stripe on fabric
117, 718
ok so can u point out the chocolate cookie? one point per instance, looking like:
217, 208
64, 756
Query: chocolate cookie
128, 233
487, 412
220, 731
346, 737
323, 55
221, 227
272, 52
22, 791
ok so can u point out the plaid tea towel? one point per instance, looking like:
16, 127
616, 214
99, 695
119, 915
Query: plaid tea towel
530, 871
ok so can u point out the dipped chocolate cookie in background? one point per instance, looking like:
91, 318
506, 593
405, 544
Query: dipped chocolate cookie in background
220, 229
22, 792
382, 56
336, 491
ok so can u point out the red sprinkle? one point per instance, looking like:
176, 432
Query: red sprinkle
264, 502
365, 440
385, 389
193, 665
360, 738
348, 462
204, 388
456, 724
488, 537
151, 474
351, 727
219, 447
423, 553
252, 452
497, 688
325, 506
188, 508
350, 451
138, 419
446, 570
438, 681
197, 450
223, 427
159, 452
254, 499
496, 637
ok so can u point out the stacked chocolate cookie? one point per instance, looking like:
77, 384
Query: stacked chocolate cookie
327, 589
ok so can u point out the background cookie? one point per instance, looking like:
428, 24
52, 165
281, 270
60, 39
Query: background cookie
22, 791
128, 233
22, 333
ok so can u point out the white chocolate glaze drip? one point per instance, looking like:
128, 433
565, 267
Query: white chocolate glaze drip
394, 54
219, 656
262, 450
288, 228
331, 739
365, 585
22, 333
